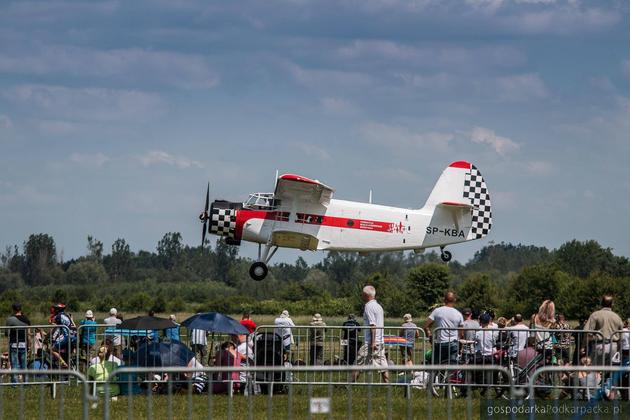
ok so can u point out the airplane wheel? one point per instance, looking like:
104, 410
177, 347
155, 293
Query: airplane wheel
446, 256
258, 271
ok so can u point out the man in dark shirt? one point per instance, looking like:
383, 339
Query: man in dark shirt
18, 339
350, 339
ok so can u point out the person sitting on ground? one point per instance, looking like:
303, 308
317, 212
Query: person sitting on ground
107, 343
227, 356
589, 381
101, 371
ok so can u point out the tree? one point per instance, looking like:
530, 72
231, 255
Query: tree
528, 290
95, 249
170, 250
119, 266
39, 259
428, 282
86, 272
224, 257
478, 293
583, 258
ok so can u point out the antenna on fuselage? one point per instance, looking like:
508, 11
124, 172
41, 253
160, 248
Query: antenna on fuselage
275, 182
370, 200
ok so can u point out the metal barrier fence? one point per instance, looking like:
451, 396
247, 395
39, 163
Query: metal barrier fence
39, 347
29, 399
272, 345
212, 392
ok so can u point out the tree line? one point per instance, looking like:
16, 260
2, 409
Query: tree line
175, 277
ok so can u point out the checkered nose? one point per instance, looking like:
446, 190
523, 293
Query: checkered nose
223, 222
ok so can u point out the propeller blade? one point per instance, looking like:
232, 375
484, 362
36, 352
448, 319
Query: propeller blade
207, 198
205, 217
203, 234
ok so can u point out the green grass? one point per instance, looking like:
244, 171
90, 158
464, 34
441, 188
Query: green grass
36, 402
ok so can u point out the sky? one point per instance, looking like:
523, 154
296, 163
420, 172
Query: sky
115, 114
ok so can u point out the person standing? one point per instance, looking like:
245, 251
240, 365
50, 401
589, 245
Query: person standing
446, 320
519, 332
317, 338
350, 339
409, 331
471, 326
248, 323
372, 352
607, 323
116, 339
172, 333
18, 339
87, 338
283, 329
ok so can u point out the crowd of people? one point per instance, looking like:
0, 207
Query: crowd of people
456, 336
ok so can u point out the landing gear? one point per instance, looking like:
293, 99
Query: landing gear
258, 270
445, 255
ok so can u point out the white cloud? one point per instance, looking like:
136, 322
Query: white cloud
539, 167
312, 151
521, 87
5, 121
501, 145
326, 78
89, 104
561, 20
89, 160
401, 138
338, 106
131, 65
157, 157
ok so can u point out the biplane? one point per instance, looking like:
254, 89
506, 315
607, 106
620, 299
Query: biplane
301, 213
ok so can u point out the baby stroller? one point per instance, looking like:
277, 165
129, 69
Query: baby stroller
268, 351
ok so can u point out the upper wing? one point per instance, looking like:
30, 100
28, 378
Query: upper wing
294, 187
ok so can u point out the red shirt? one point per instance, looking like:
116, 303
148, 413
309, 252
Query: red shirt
249, 324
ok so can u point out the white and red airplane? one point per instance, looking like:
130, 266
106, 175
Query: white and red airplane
302, 214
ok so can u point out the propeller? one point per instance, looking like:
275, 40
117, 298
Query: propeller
204, 217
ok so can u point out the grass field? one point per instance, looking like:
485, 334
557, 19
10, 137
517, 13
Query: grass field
35, 402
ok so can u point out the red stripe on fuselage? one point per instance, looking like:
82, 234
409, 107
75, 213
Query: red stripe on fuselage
244, 215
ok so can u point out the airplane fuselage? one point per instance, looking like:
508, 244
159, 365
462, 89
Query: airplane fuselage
349, 226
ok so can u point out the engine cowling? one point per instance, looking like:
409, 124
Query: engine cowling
223, 220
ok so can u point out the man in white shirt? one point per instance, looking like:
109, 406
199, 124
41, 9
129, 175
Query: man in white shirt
372, 352
283, 329
112, 320
518, 333
446, 320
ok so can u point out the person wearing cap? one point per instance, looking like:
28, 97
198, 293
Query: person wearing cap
18, 339
350, 339
283, 328
409, 331
87, 337
316, 338
112, 321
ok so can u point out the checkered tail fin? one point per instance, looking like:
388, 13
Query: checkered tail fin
462, 186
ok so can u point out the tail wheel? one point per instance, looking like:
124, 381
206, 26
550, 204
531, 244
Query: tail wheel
258, 271
446, 256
